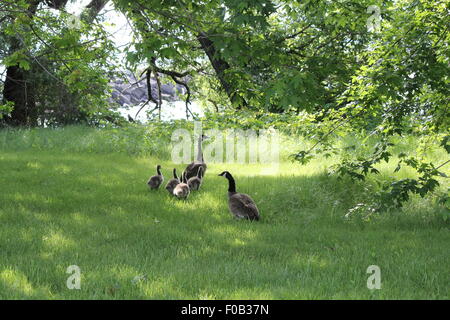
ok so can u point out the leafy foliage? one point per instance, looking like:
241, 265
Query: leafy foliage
264, 55
402, 87
66, 68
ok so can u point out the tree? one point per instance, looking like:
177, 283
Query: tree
402, 87
46, 59
276, 55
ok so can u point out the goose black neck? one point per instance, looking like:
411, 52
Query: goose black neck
175, 174
158, 170
231, 183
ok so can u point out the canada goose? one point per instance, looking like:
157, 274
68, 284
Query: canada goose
172, 183
195, 182
240, 204
155, 181
192, 169
181, 190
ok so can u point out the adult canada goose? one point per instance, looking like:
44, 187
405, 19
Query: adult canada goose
240, 204
181, 190
172, 183
155, 181
192, 169
195, 182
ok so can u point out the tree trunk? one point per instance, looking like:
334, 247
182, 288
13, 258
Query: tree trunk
92, 10
18, 90
17, 87
220, 66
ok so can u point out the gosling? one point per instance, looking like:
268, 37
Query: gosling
182, 190
155, 181
172, 183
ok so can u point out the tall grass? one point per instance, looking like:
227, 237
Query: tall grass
132, 140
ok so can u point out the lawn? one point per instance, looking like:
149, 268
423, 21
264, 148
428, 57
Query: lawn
62, 206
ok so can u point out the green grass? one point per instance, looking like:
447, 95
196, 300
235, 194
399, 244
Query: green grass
65, 204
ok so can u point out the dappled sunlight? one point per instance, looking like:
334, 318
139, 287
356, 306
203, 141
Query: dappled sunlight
258, 293
34, 165
234, 234
80, 219
209, 202
55, 241
32, 198
204, 295
164, 287
238, 242
307, 261
62, 169
17, 283
27, 235
269, 170
33, 202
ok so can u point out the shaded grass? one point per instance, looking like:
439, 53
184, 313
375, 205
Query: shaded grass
61, 208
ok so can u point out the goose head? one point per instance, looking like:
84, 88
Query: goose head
225, 174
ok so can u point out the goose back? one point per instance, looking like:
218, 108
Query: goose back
196, 181
242, 205
172, 183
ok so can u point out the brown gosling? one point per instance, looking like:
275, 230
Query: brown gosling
194, 183
155, 181
182, 190
241, 205
172, 183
